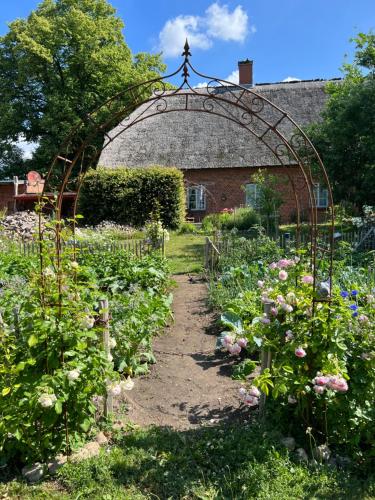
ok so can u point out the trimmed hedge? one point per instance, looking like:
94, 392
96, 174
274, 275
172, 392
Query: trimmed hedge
130, 195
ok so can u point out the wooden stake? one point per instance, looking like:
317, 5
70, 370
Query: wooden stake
265, 359
104, 307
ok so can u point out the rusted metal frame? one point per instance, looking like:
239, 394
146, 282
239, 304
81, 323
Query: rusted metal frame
114, 98
138, 120
248, 110
313, 204
233, 118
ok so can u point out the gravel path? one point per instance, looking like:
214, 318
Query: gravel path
190, 384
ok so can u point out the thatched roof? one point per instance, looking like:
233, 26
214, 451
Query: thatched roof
194, 140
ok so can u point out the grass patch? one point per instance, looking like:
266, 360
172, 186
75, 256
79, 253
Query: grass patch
241, 461
185, 253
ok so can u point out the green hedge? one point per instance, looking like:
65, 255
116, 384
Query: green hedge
130, 195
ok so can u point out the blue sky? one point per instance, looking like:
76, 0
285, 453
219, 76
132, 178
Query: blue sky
285, 38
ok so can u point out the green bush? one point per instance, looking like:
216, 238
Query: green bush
241, 219
187, 228
129, 196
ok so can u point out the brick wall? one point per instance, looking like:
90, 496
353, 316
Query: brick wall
224, 189
7, 196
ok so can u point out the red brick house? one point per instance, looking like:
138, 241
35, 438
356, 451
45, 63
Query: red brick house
217, 157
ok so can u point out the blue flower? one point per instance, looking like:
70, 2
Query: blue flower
344, 294
353, 307
355, 314
354, 293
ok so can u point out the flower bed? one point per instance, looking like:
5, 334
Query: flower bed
322, 375
53, 363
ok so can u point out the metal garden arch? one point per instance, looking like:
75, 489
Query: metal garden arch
243, 106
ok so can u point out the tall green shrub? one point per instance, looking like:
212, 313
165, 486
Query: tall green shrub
130, 195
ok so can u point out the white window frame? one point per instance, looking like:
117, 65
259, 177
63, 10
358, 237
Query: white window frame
252, 195
321, 196
200, 198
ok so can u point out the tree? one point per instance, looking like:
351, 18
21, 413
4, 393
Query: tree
11, 161
346, 137
60, 63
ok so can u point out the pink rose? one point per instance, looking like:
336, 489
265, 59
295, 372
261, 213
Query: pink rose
300, 352
283, 275
363, 318
254, 391
280, 299
234, 349
227, 340
338, 384
242, 342
319, 389
251, 400
265, 321
273, 265
274, 311
283, 263
308, 280
322, 380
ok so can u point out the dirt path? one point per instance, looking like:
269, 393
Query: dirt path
190, 384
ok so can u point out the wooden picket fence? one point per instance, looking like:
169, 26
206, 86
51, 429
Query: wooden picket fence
137, 247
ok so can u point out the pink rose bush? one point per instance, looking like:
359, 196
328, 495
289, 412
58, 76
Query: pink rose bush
251, 396
322, 351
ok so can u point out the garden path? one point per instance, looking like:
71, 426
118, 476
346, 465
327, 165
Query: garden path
190, 384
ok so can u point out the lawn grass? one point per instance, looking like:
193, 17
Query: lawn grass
241, 461
185, 253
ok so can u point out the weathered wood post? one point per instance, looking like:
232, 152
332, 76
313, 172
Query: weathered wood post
104, 320
206, 253
265, 358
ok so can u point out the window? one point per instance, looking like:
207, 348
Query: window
321, 196
252, 195
196, 198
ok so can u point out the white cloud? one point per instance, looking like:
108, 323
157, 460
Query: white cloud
201, 85
227, 25
234, 77
289, 79
27, 148
218, 22
175, 31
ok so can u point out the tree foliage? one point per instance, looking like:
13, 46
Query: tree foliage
60, 63
346, 136
11, 160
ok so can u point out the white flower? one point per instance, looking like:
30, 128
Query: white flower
127, 385
74, 374
74, 264
87, 322
47, 400
49, 272
291, 298
112, 342
292, 400
114, 389
110, 357
287, 307
242, 392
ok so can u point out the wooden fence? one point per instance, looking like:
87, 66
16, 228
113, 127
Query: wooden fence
224, 244
138, 247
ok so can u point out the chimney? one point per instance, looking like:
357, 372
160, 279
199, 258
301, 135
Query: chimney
245, 69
